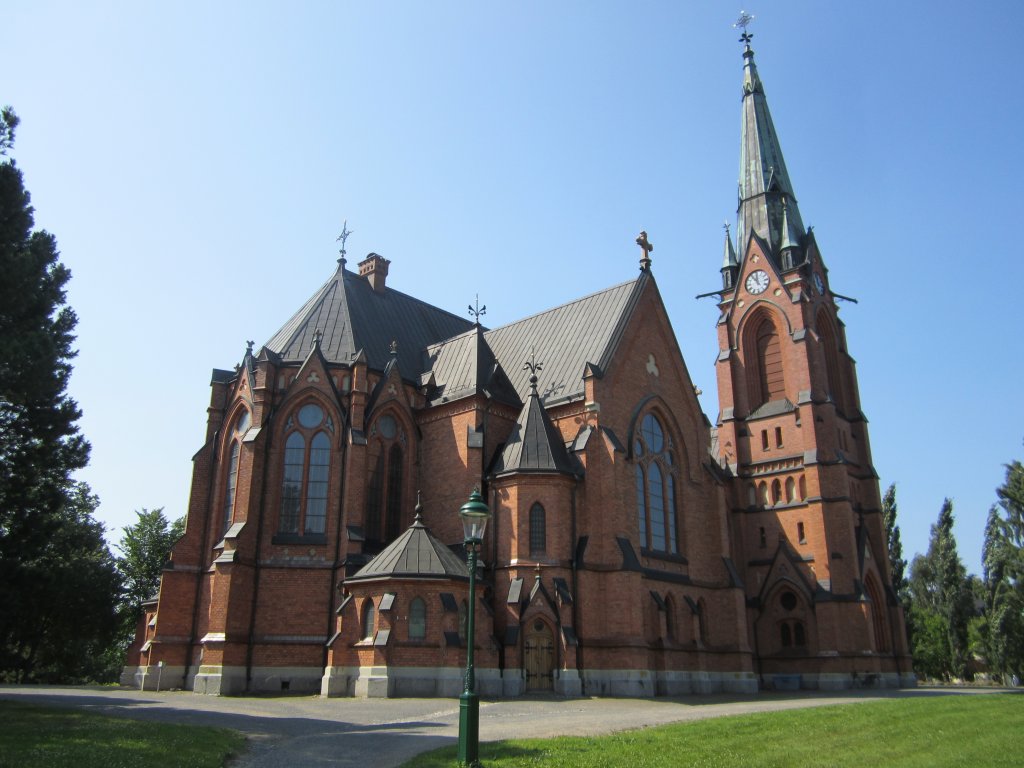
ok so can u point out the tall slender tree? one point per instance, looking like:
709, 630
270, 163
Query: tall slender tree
897, 565
941, 603
1003, 562
45, 517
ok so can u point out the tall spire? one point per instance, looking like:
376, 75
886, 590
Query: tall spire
767, 205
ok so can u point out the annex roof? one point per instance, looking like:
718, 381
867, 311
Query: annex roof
417, 553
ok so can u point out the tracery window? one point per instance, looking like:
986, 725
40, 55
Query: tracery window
655, 487
307, 465
538, 531
766, 378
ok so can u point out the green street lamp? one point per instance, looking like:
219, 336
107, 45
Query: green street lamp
474, 514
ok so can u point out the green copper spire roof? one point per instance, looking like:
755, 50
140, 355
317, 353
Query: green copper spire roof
764, 181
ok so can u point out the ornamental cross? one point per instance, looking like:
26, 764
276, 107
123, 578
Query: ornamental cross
742, 23
476, 311
646, 246
345, 232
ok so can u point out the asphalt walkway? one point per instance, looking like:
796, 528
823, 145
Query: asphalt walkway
307, 731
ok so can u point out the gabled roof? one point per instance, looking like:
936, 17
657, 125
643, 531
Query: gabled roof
466, 366
353, 316
417, 553
534, 445
566, 338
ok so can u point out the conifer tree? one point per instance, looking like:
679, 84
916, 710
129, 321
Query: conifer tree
46, 524
1003, 563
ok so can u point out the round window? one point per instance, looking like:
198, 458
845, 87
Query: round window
387, 426
788, 601
311, 415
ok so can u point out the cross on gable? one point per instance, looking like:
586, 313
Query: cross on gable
646, 247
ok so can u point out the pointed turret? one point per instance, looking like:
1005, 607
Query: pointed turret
767, 205
730, 264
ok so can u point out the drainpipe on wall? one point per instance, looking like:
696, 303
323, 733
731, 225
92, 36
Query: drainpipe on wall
576, 592
337, 548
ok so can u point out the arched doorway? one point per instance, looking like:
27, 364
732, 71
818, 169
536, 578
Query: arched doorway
539, 661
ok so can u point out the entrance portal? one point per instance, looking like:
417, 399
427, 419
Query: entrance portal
539, 658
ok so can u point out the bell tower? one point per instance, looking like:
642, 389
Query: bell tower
807, 524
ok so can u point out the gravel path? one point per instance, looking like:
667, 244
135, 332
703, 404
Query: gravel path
304, 732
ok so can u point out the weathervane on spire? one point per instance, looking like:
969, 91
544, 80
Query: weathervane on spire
476, 311
533, 366
742, 23
345, 232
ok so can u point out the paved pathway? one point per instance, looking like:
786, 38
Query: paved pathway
305, 732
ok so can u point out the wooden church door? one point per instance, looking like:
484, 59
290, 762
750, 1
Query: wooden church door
540, 658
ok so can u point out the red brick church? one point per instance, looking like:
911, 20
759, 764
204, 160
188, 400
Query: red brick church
633, 549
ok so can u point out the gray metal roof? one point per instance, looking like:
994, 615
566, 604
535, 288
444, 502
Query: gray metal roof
465, 366
352, 317
565, 339
764, 180
534, 445
414, 554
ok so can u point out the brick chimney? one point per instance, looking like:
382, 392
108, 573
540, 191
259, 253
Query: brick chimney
375, 269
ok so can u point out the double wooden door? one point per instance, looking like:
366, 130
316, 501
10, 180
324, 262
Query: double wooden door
539, 658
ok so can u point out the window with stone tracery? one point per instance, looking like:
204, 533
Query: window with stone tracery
307, 464
384, 493
655, 487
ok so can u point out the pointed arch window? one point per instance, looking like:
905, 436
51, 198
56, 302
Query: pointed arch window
655, 488
369, 619
767, 380
231, 485
384, 502
307, 469
830, 347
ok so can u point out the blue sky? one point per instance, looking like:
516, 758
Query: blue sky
196, 161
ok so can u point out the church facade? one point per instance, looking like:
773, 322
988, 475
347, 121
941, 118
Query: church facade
633, 549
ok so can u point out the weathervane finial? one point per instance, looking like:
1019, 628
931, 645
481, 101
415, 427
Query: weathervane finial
476, 311
533, 366
742, 23
345, 232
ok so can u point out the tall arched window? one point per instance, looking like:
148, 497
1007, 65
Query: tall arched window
776, 492
307, 466
417, 619
369, 618
384, 491
241, 427
767, 381
655, 487
790, 490
830, 348
538, 531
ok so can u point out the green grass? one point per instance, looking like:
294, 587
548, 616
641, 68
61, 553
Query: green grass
45, 736
926, 732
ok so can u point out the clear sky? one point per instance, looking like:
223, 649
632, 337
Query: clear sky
196, 162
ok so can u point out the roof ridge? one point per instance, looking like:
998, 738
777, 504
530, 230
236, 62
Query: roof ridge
581, 299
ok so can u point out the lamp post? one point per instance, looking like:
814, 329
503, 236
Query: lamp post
474, 514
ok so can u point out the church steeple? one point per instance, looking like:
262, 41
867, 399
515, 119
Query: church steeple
767, 205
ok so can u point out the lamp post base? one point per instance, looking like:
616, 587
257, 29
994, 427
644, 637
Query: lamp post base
469, 729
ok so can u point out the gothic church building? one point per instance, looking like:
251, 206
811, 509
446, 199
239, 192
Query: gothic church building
634, 548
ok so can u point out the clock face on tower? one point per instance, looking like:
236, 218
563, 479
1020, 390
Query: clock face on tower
757, 282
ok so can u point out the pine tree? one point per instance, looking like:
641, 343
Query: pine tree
45, 518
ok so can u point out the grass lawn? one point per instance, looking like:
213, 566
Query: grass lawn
45, 736
929, 732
